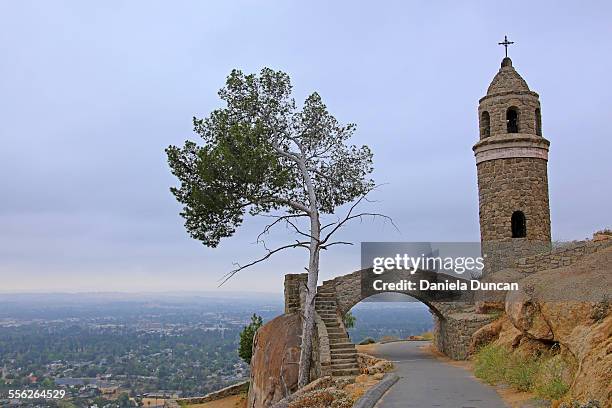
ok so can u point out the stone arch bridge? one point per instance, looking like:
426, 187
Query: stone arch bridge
455, 319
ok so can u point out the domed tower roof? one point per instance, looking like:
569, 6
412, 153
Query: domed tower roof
507, 80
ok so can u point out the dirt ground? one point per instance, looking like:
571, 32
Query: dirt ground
366, 349
235, 401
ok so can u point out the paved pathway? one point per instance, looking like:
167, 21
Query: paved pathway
428, 382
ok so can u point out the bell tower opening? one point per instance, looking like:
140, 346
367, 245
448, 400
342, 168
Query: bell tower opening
519, 225
538, 122
485, 124
512, 120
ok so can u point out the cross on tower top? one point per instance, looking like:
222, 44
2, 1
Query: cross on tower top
506, 43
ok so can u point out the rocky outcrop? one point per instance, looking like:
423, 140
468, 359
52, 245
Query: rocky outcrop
568, 306
373, 365
485, 335
274, 366
325, 392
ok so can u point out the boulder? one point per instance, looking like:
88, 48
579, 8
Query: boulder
275, 362
509, 336
594, 377
486, 334
569, 306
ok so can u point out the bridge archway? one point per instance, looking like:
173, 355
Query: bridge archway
434, 308
335, 354
390, 315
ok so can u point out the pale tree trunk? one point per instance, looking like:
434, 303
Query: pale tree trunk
313, 275
309, 305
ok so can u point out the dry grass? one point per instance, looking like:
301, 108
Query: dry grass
539, 374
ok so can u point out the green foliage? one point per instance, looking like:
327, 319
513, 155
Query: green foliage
549, 382
245, 350
496, 313
349, 320
123, 400
47, 383
197, 353
247, 162
367, 340
65, 404
490, 362
541, 374
520, 372
554, 389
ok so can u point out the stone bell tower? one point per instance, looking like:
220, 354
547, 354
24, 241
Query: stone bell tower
511, 159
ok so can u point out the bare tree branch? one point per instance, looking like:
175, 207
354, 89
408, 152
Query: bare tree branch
350, 216
360, 216
267, 229
336, 243
239, 268
288, 222
297, 230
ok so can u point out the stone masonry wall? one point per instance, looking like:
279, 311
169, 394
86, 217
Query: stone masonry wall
526, 103
508, 185
348, 291
453, 333
293, 283
235, 389
321, 352
564, 256
504, 254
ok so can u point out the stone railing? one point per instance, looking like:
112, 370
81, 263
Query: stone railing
213, 396
323, 355
564, 256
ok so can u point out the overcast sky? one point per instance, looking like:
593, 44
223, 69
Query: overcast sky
92, 92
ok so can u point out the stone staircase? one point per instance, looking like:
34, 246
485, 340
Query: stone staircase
342, 350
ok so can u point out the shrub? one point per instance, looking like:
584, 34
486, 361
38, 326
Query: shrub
490, 363
520, 372
367, 340
549, 381
245, 350
542, 374
349, 320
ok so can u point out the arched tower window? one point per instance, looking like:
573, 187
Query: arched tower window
512, 120
538, 122
519, 225
485, 124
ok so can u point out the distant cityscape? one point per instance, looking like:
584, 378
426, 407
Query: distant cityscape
121, 351
101, 350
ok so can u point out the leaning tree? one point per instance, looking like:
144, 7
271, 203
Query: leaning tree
263, 156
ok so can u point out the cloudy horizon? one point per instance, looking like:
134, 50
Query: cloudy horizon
94, 92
